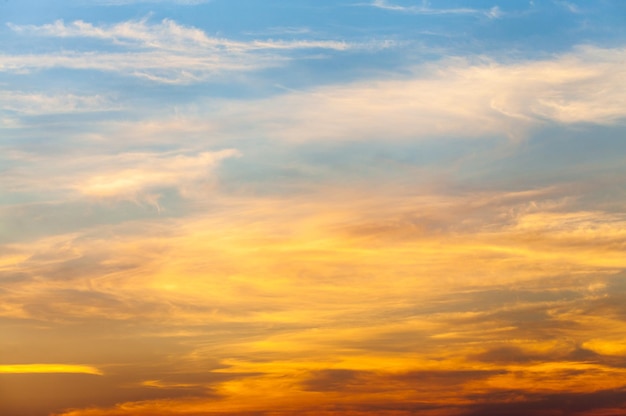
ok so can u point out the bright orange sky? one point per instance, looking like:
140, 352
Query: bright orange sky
379, 208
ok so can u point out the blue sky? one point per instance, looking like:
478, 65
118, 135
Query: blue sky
280, 206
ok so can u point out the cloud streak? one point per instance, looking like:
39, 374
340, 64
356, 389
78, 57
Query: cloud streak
166, 35
454, 98
163, 52
48, 369
424, 9
129, 176
140, 174
36, 104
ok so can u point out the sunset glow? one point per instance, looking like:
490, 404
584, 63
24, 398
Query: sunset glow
329, 208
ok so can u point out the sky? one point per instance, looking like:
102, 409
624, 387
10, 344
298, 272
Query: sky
331, 207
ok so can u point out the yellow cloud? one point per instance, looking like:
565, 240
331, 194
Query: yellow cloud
266, 293
48, 368
606, 347
9, 261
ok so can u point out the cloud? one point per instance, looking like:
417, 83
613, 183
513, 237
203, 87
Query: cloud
137, 175
371, 254
569, 6
162, 52
599, 402
166, 35
40, 394
48, 369
386, 393
125, 2
157, 66
425, 9
478, 98
406, 281
615, 347
131, 176
447, 291
453, 98
320, 244
36, 104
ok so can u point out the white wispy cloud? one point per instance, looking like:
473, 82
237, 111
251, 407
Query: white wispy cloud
159, 66
461, 98
136, 176
164, 52
479, 97
139, 177
126, 2
166, 35
425, 9
569, 6
37, 103
283, 30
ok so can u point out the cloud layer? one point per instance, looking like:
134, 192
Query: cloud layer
162, 52
388, 208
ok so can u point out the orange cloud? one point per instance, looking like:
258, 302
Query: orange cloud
331, 301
